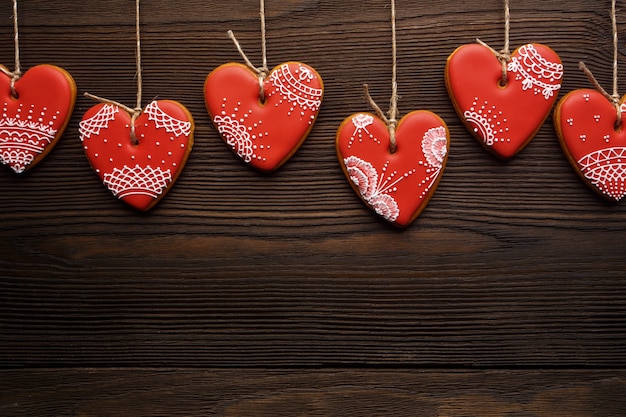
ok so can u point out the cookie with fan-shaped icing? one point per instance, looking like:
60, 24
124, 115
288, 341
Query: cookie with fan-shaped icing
264, 131
503, 118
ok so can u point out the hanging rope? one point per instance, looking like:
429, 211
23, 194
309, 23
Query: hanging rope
390, 118
504, 55
137, 110
615, 97
17, 73
261, 72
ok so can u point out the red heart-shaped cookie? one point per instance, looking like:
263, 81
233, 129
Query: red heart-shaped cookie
138, 174
397, 186
33, 122
264, 134
585, 124
504, 119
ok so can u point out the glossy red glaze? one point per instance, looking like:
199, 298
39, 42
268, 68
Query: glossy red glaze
32, 123
264, 134
396, 186
139, 174
585, 124
504, 119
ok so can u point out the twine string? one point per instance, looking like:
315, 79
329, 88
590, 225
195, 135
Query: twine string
261, 72
503, 55
138, 58
137, 110
390, 118
615, 97
17, 73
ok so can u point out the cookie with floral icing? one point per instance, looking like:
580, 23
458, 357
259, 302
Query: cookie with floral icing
396, 186
33, 121
503, 118
139, 174
264, 133
585, 123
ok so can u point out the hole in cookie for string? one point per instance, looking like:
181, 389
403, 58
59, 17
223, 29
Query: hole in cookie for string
14, 94
503, 82
262, 94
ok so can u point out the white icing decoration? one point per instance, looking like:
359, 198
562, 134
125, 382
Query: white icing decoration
361, 122
98, 121
236, 135
167, 122
435, 146
21, 140
375, 193
606, 169
294, 88
137, 181
536, 71
488, 123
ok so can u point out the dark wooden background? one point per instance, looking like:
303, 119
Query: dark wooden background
252, 295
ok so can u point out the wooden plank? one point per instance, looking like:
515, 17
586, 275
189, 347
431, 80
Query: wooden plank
290, 320
212, 392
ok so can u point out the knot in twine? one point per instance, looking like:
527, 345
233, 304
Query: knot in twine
137, 110
14, 75
504, 56
389, 119
261, 72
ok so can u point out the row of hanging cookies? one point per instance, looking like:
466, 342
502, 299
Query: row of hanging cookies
393, 164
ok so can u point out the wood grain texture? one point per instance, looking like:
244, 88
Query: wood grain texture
512, 266
168, 392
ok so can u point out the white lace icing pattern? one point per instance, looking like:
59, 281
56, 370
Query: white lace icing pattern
536, 71
236, 135
376, 188
137, 181
606, 169
25, 136
163, 120
97, 122
295, 89
365, 177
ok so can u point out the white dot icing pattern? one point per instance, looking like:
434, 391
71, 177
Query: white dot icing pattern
537, 73
377, 188
141, 177
241, 134
603, 168
487, 122
295, 90
22, 137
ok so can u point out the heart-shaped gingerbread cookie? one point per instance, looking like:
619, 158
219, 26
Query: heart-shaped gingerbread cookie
396, 186
34, 120
504, 119
139, 174
264, 134
585, 124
